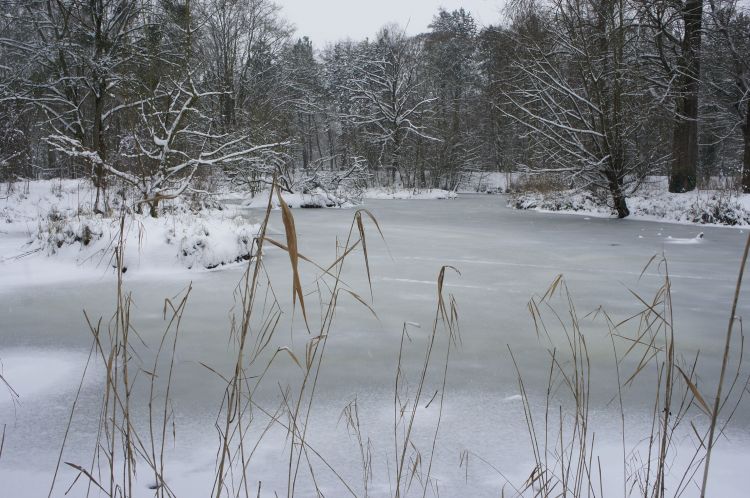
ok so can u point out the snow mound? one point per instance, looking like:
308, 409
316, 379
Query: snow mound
566, 201
55, 219
709, 207
212, 244
205, 240
421, 194
317, 199
29, 201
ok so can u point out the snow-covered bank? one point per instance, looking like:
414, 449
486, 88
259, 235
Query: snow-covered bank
318, 199
402, 194
55, 218
50, 225
653, 203
488, 181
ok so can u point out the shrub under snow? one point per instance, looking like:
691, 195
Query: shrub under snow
653, 202
316, 199
56, 219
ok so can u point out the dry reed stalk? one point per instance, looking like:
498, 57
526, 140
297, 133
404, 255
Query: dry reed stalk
447, 316
724, 363
119, 445
564, 460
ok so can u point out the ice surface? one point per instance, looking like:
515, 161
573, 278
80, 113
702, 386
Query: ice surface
505, 256
37, 373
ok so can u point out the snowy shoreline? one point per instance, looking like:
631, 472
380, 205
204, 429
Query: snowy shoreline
44, 218
54, 218
721, 208
51, 224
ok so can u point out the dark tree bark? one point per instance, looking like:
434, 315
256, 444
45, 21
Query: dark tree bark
746, 156
100, 91
683, 175
618, 196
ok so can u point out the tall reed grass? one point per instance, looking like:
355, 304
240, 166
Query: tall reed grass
660, 464
562, 439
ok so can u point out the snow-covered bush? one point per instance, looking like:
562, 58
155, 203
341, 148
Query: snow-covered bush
209, 246
559, 200
60, 231
315, 199
58, 221
719, 207
206, 240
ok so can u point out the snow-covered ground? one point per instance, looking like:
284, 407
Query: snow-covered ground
410, 194
297, 200
40, 219
652, 202
50, 224
504, 256
488, 181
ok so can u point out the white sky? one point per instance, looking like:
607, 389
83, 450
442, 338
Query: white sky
330, 20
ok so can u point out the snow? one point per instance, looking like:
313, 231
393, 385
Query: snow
318, 199
653, 202
27, 371
410, 194
488, 181
53, 219
504, 257
49, 234
693, 240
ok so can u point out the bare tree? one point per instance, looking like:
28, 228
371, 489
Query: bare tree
386, 88
676, 28
450, 54
84, 49
243, 40
172, 142
729, 33
580, 100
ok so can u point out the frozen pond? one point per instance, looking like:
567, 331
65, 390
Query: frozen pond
504, 257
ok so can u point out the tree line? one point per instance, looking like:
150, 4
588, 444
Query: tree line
163, 96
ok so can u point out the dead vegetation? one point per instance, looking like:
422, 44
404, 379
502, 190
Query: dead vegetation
131, 440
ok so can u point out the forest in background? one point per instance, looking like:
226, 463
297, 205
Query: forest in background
163, 97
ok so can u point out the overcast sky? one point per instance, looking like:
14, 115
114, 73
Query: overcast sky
330, 20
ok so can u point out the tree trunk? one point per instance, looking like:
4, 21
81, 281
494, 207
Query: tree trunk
226, 102
618, 197
684, 171
746, 157
99, 146
683, 175
153, 208
100, 93
332, 148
